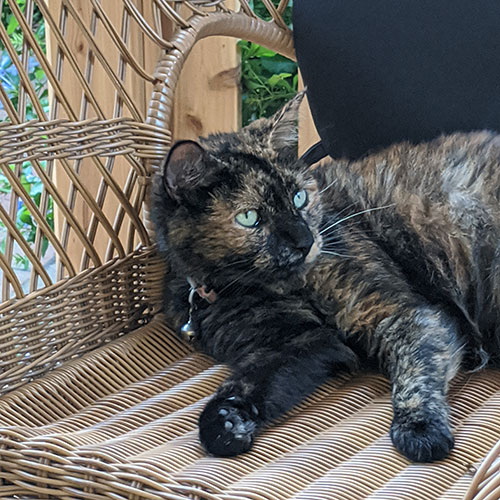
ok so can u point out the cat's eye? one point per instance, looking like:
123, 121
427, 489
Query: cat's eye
250, 218
300, 199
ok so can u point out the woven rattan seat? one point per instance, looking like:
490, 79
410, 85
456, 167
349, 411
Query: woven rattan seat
99, 398
121, 422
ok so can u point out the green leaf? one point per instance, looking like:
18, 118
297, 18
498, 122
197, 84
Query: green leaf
40, 75
17, 41
12, 26
25, 183
21, 262
278, 79
279, 66
253, 85
36, 188
45, 245
25, 217
263, 51
5, 186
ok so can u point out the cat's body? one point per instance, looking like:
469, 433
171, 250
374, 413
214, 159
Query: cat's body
440, 227
392, 259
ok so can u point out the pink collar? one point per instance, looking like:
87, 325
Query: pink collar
210, 296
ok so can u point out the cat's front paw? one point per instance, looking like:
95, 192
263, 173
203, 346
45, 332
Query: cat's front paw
227, 426
422, 439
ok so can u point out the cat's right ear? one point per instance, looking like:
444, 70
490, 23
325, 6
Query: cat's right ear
183, 167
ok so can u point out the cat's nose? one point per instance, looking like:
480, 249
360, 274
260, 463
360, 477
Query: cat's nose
303, 241
297, 235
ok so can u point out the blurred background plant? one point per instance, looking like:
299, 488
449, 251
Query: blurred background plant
9, 76
10, 81
268, 80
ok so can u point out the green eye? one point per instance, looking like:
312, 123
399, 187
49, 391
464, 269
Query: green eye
300, 199
250, 218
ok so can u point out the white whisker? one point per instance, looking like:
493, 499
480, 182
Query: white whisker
236, 280
337, 231
327, 243
345, 209
243, 261
333, 244
335, 253
329, 186
355, 215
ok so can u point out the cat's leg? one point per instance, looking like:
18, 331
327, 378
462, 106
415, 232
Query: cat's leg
416, 344
265, 384
420, 351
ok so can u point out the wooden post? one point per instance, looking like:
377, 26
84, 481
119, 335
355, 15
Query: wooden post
207, 98
105, 94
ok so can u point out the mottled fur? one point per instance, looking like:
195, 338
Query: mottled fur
403, 271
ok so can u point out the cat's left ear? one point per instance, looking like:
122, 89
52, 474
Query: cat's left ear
183, 168
284, 134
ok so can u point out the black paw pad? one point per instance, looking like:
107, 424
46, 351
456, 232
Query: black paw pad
227, 426
424, 440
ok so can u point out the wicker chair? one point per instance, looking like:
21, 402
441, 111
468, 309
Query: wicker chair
99, 399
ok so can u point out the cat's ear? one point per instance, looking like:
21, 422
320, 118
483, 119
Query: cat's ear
285, 127
183, 167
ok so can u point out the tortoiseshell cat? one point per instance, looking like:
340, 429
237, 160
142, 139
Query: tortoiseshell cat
394, 259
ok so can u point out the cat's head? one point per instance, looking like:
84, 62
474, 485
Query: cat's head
239, 203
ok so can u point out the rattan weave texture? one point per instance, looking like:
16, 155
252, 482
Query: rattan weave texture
74, 316
58, 139
121, 423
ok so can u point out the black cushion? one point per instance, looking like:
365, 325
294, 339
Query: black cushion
382, 71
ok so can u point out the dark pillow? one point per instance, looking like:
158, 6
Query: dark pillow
382, 71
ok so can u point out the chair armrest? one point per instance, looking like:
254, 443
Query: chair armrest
58, 323
486, 482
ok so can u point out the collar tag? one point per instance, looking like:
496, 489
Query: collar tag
187, 330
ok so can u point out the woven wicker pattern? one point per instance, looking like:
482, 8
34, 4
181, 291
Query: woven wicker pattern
98, 399
94, 150
486, 482
121, 423
57, 139
76, 315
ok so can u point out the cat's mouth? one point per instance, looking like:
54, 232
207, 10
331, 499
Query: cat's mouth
296, 261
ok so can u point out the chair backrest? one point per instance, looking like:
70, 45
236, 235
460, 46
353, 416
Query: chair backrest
74, 137
87, 112
86, 98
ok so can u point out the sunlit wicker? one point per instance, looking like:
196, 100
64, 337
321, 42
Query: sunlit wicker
99, 398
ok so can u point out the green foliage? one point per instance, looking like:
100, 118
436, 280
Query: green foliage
260, 9
10, 81
9, 76
268, 80
12, 24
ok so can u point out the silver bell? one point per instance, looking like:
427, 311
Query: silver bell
187, 332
